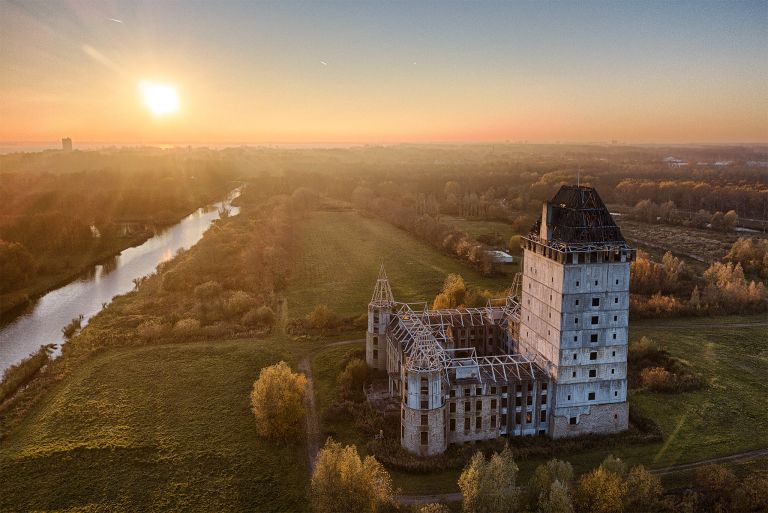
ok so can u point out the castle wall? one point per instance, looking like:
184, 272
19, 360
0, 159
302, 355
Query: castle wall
596, 418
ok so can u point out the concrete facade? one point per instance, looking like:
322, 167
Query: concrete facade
548, 360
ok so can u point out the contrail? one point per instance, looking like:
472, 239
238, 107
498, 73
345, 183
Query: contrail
115, 20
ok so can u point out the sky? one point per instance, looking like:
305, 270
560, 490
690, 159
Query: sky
385, 72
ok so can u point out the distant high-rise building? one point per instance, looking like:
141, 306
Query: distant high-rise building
66, 144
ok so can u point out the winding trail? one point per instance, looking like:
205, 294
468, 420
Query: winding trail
312, 421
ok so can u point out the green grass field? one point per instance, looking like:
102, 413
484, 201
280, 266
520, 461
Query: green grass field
476, 228
168, 427
156, 428
337, 260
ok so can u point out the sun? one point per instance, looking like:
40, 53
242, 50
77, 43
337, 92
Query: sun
160, 99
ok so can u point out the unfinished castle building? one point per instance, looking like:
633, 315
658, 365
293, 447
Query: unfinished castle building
551, 358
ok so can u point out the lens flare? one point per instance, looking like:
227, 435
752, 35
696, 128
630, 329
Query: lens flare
160, 99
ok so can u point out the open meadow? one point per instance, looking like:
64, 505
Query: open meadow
337, 257
164, 427
169, 426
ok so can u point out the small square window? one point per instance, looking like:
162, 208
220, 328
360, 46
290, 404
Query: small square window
543, 386
595, 301
453, 424
543, 399
595, 319
478, 423
493, 421
467, 406
424, 405
569, 397
615, 300
615, 318
572, 421
616, 394
529, 417
613, 353
593, 337
478, 391
577, 283
575, 338
493, 390
529, 400
453, 392
517, 418
575, 320
466, 392
504, 389
453, 407
574, 374
479, 405
424, 438
424, 420
493, 404
577, 301
617, 282
518, 401
543, 416
591, 396
614, 336
375, 354
466, 424
593, 355
592, 373
613, 371
574, 356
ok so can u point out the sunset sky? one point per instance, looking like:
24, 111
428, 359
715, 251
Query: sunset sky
360, 72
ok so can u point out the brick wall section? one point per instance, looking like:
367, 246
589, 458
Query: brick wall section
604, 419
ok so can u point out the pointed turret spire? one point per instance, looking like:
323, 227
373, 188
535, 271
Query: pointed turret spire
382, 293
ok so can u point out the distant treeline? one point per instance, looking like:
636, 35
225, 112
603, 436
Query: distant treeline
54, 222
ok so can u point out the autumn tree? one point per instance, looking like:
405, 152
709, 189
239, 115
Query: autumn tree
452, 294
600, 491
488, 486
644, 490
277, 401
322, 318
342, 481
544, 477
557, 500
17, 265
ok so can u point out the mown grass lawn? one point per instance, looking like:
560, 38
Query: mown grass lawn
155, 428
337, 259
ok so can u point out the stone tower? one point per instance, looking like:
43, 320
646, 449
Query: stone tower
422, 422
379, 313
575, 309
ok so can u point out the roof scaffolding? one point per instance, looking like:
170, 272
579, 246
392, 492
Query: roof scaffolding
577, 220
382, 293
421, 334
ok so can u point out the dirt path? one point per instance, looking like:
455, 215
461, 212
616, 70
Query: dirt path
742, 456
313, 426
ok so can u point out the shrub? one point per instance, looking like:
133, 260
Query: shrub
71, 329
18, 375
238, 303
186, 327
352, 379
277, 402
322, 318
150, 330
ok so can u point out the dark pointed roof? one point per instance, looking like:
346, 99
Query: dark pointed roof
579, 216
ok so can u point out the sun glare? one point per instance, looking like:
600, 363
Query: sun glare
160, 99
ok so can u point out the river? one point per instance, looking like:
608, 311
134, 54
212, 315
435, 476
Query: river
42, 321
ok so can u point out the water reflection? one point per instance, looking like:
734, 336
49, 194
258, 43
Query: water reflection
41, 322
